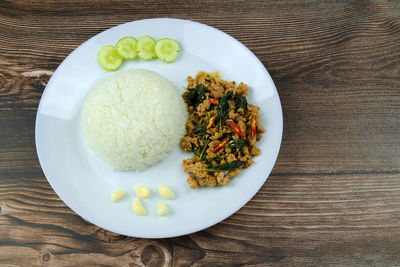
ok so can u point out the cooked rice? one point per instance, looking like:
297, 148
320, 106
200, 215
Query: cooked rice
133, 119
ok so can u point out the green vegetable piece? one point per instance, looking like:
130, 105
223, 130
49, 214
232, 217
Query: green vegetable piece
201, 152
126, 47
201, 128
109, 58
241, 102
167, 49
196, 95
223, 108
226, 167
145, 47
237, 143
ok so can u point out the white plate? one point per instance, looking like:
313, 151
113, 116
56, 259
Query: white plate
84, 182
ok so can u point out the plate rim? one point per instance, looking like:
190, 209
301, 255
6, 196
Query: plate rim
197, 229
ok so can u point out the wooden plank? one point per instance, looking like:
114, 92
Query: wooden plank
293, 220
333, 196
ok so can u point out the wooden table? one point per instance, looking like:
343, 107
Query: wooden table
333, 197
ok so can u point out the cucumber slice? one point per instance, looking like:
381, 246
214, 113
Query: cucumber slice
145, 47
109, 58
126, 47
167, 49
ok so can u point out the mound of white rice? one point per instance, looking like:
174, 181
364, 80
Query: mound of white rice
133, 119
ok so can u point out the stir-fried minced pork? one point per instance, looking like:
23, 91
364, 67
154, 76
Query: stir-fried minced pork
222, 130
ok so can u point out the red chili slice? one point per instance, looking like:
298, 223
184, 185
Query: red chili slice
211, 122
235, 128
213, 101
221, 145
253, 126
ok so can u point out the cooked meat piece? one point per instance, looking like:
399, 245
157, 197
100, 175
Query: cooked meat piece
189, 126
222, 179
254, 151
230, 157
253, 109
242, 126
233, 115
188, 143
245, 150
234, 172
191, 82
200, 78
199, 171
218, 91
192, 182
242, 89
241, 111
248, 163
210, 155
188, 165
204, 107
219, 131
260, 128
208, 181
245, 158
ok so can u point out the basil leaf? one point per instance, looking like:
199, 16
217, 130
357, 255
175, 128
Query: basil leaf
196, 95
223, 108
201, 128
241, 102
226, 167
201, 152
237, 143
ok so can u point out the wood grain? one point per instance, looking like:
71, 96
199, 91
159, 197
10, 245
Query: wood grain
333, 197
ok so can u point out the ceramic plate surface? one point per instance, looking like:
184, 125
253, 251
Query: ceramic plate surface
85, 183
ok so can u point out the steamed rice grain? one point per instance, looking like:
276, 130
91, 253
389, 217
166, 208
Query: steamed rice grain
133, 119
